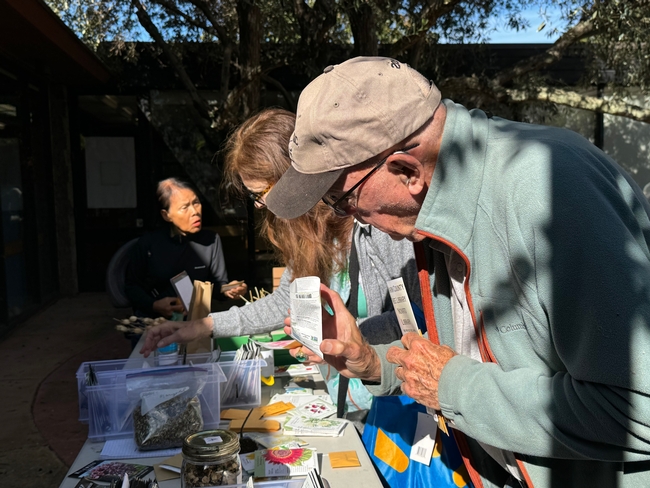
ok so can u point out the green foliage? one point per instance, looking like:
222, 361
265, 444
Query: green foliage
307, 35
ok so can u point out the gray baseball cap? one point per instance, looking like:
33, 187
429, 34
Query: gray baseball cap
349, 114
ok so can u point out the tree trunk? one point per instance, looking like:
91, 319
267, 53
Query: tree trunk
362, 22
250, 33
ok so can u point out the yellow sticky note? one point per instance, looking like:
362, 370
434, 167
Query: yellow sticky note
344, 459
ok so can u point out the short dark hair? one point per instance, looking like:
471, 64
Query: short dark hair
166, 187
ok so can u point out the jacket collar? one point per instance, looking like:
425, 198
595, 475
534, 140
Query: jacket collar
452, 201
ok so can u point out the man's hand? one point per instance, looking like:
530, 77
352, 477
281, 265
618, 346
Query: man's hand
236, 292
343, 345
421, 364
182, 332
165, 307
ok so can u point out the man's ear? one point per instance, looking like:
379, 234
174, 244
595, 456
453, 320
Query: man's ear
165, 215
409, 170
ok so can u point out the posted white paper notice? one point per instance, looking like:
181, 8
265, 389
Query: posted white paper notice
306, 318
402, 305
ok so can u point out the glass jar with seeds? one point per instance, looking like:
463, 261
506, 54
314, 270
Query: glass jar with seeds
211, 458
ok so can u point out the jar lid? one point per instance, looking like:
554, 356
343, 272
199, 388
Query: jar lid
210, 445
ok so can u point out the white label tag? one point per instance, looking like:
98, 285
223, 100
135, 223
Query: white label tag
212, 440
151, 399
402, 305
424, 440
306, 314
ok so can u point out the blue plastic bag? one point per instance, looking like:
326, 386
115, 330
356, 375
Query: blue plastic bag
388, 436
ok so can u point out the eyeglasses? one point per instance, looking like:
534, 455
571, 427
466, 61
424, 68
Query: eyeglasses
338, 205
257, 197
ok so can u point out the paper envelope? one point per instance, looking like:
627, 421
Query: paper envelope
344, 459
164, 474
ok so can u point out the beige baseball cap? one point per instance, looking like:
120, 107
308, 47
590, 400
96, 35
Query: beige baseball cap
352, 112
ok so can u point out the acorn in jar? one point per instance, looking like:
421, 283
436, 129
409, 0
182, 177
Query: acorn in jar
211, 458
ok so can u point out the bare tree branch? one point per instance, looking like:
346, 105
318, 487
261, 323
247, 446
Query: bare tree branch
226, 42
314, 21
209, 14
542, 61
473, 87
171, 7
199, 102
225, 71
287, 96
612, 106
430, 15
363, 24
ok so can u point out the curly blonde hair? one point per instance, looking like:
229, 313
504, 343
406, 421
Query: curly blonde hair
315, 244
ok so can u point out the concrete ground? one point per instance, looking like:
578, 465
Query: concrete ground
40, 435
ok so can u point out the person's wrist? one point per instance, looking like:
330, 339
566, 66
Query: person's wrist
208, 326
369, 367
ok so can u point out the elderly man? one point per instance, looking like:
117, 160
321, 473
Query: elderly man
534, 251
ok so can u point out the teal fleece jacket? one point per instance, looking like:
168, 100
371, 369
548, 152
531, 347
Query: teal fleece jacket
556, 238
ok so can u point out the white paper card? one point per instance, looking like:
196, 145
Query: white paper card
402, 305
306, 318
184, 288
424, 440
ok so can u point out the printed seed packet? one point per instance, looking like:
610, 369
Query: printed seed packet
277, 440
302, 369
271, 463
303, 426
276, 345
317, 410
248, 462
298, 391
111, 470
298, 400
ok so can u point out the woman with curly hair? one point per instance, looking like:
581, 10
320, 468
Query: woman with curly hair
315, 244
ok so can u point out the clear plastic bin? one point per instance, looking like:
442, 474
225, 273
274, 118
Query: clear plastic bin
114, 371
104, 404
243, 385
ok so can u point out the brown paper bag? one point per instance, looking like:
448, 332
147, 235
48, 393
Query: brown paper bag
199, 309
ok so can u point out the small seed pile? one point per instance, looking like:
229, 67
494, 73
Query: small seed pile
167, 424
137, 325
218, 474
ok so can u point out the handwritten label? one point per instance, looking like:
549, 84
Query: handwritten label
402, 305
213, 439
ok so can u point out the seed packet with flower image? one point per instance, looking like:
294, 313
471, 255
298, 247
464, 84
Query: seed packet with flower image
284, 462
317, 409
304, 426
111, 470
